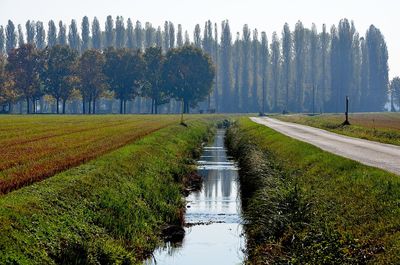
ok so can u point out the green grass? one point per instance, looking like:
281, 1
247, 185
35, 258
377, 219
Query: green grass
379, 127
305, 205
107, 211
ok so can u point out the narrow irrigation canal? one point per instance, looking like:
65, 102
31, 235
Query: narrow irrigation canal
213, 230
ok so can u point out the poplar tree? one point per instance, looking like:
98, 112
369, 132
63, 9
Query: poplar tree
119, 32
225, 67
30, 32
395, 93
85, 34
208, 38
287, 45
378, 69
40, 36
21, 40
96, 34
187, 39
197, 36
275, 70
149, 35
52, 34
334, 65
255, 51
314, 66
364, 90
179, 36
109, 32
2, 40
166, 36
11, 37
324, 80
345, 69
355, 85
236, 70
74, 39
300, 60
159, 37
139, 35
264, 57
246, 46
216, 56
171, 35
129, 34
208, 43
62, 34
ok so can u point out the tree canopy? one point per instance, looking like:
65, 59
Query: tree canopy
188, 74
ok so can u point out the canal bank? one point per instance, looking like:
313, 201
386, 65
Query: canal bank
213, 232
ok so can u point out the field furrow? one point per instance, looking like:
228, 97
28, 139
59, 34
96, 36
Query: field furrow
39, 147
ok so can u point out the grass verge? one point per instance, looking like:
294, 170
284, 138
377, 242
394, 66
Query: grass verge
306, 206
108, 211
379, 127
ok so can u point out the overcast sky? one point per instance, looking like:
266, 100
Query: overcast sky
265, 15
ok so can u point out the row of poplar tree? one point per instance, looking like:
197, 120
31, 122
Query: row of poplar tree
300, 70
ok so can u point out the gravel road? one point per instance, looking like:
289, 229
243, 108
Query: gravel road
384, 156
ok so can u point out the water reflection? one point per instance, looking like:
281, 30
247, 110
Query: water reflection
216, 207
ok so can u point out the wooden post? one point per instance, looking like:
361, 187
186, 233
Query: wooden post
346, 122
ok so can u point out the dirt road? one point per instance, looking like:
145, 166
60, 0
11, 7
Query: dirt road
384, 156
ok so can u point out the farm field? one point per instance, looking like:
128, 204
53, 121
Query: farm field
380, 127
303, 205
110, 210
33, 148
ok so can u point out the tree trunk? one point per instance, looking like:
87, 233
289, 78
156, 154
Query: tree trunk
121, 103
27, 105
263, 99
90, 106
182, 110
139, 105
83, 106
94, 106
58, 105
186, 106
63, 105
392, 109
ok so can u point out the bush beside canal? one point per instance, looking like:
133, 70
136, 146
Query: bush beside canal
302, 205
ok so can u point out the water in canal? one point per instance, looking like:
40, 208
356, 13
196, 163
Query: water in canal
214, 231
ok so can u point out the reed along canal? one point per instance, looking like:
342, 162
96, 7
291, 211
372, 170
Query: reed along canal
213, 222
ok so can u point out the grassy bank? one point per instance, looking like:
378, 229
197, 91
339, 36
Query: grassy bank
107, 211
305, 206
380, 127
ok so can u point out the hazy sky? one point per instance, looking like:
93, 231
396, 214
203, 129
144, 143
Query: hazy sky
265, 15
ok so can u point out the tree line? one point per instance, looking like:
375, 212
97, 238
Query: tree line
184, 74
300, 70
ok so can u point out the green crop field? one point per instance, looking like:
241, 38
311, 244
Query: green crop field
380, 127
107, 211
33, 148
